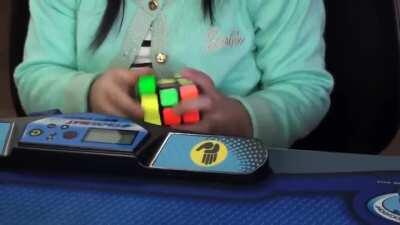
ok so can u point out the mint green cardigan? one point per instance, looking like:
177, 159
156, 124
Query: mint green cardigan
268, 54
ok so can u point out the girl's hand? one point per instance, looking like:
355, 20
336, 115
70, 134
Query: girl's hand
219, 114
112, 93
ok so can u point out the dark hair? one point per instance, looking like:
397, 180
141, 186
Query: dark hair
113, 11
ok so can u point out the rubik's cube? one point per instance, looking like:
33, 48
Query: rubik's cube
159, 96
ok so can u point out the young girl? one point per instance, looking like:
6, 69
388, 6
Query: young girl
258, 63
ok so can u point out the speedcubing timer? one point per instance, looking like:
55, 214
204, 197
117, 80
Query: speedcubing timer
159, 96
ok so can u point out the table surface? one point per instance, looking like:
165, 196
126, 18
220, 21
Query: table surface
52, 198
307, 187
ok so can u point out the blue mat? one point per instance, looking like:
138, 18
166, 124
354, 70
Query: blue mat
48, 199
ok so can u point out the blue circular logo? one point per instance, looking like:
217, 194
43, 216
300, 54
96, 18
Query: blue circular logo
386, 206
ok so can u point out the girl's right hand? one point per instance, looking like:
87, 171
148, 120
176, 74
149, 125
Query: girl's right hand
112, 93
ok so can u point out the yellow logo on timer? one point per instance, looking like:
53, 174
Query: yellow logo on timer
209, 153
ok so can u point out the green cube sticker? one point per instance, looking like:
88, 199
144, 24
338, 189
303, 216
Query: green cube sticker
147, 84
169, 97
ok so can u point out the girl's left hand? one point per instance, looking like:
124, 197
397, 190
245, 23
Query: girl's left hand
219, 114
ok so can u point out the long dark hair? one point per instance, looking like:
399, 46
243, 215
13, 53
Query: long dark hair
114, 8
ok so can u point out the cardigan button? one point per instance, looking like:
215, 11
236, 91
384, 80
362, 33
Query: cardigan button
161, 58
153, 5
